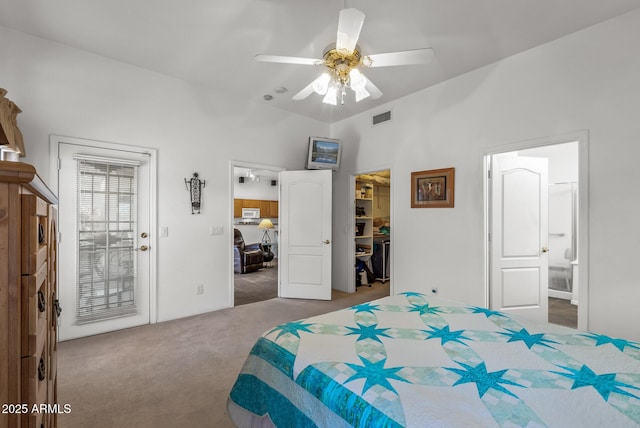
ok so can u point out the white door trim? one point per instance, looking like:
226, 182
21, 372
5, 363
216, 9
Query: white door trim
351, 283
582, 137
54, 150
241, 164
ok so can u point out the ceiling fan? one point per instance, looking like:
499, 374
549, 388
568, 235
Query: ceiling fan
343, 61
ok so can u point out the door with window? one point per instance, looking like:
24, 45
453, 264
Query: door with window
105, 240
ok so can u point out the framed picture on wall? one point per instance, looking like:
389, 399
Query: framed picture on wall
433, 189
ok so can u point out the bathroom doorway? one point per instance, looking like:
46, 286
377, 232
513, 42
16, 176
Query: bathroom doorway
557, 249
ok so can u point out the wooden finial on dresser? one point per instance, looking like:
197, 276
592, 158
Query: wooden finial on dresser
10, 135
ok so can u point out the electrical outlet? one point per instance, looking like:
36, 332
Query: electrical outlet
434, 290
199, 289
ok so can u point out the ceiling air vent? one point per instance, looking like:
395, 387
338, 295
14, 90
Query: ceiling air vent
381, 118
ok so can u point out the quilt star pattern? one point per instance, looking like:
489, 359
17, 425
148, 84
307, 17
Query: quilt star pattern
413, 360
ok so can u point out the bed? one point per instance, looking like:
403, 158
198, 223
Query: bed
415, 360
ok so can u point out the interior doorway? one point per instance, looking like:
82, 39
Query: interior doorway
372, 225
561, 249
255, 201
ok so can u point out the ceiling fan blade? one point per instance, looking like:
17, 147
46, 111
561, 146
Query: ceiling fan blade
373, 90
415, 56
349, 26
304, 93
287, 59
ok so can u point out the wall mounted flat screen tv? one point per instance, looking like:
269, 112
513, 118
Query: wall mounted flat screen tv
324, 153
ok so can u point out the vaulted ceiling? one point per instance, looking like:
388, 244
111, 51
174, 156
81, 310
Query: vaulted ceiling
213, 42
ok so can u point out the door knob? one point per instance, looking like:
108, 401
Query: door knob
142, 248
545, 249
144, 235
326, 241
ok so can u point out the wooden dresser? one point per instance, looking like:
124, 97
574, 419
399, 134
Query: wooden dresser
28, 299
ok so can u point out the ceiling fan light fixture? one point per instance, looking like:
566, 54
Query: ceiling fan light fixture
251, 175
343, 60
361, 94
366, 61
357, 79
321, 84
332, 96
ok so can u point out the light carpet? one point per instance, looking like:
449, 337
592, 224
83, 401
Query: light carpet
175, 373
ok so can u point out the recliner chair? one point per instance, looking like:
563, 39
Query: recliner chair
246, 257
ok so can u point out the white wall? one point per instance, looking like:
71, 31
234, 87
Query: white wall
69, 92
589, 80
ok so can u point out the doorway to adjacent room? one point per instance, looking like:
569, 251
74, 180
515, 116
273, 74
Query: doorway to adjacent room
372, 229
537, 228
293, 238
255, 226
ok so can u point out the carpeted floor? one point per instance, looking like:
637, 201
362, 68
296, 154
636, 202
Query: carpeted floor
256, 286
176, 373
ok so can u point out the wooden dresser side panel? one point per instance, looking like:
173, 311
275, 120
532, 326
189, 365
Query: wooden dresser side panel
53, 298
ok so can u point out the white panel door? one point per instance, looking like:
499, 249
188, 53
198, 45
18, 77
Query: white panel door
305, 235
104, 220
519, 236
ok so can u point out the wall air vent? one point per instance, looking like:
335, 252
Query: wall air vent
381, 118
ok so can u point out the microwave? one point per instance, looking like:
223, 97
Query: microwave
251, 213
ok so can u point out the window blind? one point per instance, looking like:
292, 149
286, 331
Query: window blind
106, 223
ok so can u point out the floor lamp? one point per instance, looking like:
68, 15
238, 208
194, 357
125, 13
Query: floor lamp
266, 225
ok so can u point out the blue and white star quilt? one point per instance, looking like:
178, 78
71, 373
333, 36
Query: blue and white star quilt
413, 360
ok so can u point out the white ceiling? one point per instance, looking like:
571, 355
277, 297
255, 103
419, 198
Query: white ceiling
212, 42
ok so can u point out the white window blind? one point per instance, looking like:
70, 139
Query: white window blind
106, 220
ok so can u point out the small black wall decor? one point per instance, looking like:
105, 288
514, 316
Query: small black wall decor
195, 186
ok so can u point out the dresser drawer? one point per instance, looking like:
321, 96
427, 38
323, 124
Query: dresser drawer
36, 306
35, 383
35, 233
